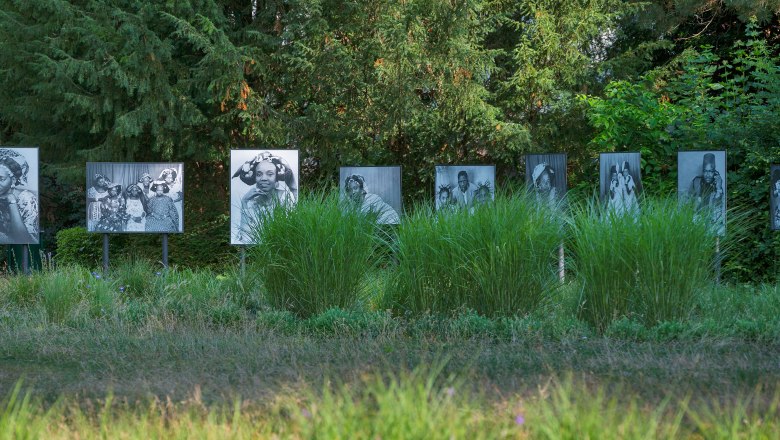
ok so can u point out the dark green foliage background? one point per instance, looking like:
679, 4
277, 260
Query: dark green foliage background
414, 83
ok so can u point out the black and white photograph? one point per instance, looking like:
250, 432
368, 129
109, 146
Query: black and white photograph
620, 182
375, 190
545, 176
261, 181
19, 202
701, 180
464, 186
774, 196
138, 197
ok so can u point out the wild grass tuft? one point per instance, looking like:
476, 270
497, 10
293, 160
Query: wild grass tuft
137, 277
648, 267
417, 404
498, 259
315, 256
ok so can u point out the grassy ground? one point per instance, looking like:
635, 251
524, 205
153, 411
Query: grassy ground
554, 384
195, 343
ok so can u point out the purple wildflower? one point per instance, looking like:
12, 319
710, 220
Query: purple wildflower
519, 420
450, 391
305, 413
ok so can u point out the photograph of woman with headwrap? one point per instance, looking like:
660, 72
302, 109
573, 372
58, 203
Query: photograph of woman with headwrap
112, 210
374, 190
144, 206
145, 183
774, 197
263, 180
19, 212
162, 215
135, 208
170, 177
95, 195
545, 177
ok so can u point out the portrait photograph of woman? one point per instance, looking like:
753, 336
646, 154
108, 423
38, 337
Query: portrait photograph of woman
545, 177
19, 209
261, 181
138, 197
375, 190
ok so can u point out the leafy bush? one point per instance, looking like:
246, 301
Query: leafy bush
314, 257
77, 246
704, 100
497, 260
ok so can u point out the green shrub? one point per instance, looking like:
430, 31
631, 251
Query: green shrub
314, 257
77, 246
499, 259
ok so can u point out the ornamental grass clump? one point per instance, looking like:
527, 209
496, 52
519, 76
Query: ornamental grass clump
315, 256
647, 267
498, 259
675, 257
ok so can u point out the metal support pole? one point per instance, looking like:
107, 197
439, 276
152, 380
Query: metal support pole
717, 260
561, 264
105, 255
165, 251
242, 257
26, 259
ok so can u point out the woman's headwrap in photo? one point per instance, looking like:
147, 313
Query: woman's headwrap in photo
166, 172
446, 188
16, 164
133, 190
144, 176
114, 185
99, 176
539, 169
246, 173
356, 178
161, 184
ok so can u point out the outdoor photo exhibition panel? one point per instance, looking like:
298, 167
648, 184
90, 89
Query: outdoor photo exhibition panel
774, 197
464, 186
19, 201
261, 180
701, 180
373, 189
545, 176
137, 197
620, 182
